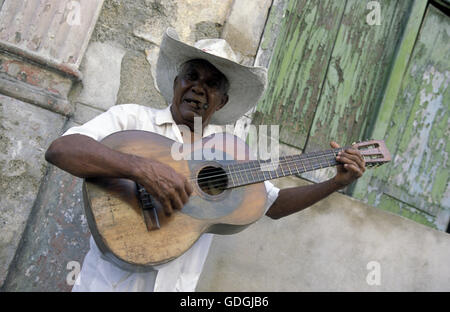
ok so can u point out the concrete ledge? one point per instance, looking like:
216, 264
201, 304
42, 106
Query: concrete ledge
330, 246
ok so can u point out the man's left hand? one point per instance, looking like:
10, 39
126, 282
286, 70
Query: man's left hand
352, 167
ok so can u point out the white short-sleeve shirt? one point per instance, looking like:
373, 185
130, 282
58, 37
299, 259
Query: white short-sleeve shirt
180, 274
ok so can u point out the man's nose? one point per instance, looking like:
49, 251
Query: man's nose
198, 89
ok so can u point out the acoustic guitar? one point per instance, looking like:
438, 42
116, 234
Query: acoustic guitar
131, 228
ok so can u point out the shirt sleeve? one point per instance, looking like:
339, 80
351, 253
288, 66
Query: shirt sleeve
272, 194
117, 118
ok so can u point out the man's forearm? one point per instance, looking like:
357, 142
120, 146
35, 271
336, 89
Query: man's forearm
84, 157
291, 200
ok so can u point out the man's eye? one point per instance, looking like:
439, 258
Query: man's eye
191, 76
213, 84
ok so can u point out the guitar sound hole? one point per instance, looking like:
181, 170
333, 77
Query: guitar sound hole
212, 180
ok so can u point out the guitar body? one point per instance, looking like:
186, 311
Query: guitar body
115, 215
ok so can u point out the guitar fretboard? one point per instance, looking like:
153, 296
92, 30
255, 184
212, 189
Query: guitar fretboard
255, 171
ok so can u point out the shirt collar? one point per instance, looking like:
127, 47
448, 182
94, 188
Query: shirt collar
165, 116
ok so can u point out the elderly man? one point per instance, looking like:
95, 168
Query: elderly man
201, 81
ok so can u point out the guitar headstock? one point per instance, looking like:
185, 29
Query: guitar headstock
375, 152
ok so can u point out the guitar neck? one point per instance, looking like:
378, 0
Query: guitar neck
255, 171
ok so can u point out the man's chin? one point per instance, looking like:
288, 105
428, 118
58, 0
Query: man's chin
189, 115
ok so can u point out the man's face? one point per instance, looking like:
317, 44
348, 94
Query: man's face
199, 91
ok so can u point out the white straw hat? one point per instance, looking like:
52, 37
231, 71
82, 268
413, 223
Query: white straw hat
247, 83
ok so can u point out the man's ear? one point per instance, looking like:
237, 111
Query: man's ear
175, 82
224, 101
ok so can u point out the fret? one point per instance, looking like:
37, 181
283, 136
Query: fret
307, 164
243, 172
261, 172
328, 161
250, 172
279, 171
230, 173
247, 172
276, 171
235, 169
280, 166
327, 158
239, 171
331, 158
320, 161
273, 171
311, 159
299, 161
265, 172
288, 163
296, 167
270, 174
255, 171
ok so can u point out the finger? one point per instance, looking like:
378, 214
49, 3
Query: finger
181, 192
334, 144
183, 196
350, 159
167, 205
355, 152
343, 155
356, 156
176, 202
188, 187
175, 199
354, 170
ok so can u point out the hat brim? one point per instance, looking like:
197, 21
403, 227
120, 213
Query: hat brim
247, 84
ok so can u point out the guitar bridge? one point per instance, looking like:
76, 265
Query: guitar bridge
148, 209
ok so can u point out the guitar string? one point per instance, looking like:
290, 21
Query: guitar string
312, 157
221, 182
327, 153
282, 162
331, 154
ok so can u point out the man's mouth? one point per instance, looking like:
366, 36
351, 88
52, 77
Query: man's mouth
195, 104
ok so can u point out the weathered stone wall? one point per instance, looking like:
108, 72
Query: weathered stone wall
25, 133
44, 231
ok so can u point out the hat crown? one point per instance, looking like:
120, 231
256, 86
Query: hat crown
217, 47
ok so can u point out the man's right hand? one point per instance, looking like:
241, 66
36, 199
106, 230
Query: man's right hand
84, 157
167, 186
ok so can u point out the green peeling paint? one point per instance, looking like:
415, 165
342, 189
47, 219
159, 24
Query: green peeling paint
393, 205
334, 77
298, 67
356, 74
414, 119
